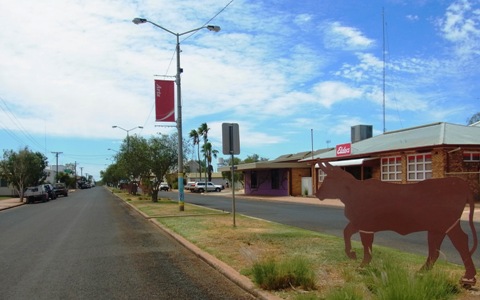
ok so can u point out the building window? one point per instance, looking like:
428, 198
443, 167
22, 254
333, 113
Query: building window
419, 167
391, 168
321, 175
275, 180
3, 183
471, 156
253, 180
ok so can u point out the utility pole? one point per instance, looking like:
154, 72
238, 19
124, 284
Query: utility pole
75, 171
56, 155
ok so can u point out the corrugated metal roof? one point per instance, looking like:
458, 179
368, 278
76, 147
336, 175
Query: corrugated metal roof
298, 156
415, 137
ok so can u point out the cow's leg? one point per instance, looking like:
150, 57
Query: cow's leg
347, 237
460, 240
435, 239
367, 242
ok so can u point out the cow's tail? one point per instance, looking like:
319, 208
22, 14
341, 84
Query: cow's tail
471, 201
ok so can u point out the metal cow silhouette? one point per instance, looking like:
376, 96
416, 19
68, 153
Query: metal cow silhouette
433, 205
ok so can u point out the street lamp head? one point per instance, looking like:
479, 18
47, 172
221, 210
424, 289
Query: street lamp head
141, 127
114, 126
213, 28
139, 21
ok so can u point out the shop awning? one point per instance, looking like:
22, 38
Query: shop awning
349, 162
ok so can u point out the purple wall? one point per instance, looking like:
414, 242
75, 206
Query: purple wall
264, 183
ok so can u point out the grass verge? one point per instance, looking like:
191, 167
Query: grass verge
276, 255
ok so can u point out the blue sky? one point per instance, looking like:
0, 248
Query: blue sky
71, 69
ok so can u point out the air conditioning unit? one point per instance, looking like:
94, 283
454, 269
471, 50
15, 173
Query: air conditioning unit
361, 132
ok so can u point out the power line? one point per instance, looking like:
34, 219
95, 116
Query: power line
16, 122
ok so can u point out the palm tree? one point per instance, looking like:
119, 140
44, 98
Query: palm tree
196, 141
209, 153
203, 131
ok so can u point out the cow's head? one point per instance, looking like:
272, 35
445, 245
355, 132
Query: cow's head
334, 184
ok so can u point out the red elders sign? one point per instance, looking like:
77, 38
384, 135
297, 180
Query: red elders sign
344, 149
164, 101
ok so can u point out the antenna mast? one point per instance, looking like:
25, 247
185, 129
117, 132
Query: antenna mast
383, 38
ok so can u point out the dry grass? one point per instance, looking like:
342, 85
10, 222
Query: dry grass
253, 240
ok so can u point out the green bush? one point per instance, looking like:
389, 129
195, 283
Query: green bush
388, 281
295, 272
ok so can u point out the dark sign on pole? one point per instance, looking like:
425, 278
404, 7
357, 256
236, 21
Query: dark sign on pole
231, 145
230, 138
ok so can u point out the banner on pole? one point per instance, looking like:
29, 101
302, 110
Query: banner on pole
164, 101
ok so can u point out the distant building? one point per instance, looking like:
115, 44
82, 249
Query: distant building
52, 172
283, 176
7, 189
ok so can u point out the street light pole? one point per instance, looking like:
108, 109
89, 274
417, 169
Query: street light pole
127, 130
181, 195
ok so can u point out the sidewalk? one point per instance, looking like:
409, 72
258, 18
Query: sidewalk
10, 203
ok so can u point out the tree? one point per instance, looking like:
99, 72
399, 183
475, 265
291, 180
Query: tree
254, 158
66, 178
237, 176
196, 141
163, 158
203, 132
209, 153
133, 157
473, 119
114, 174
23, 168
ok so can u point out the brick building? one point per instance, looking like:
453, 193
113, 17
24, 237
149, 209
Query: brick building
410, 155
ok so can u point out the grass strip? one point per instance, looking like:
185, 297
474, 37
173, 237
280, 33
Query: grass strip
254, 242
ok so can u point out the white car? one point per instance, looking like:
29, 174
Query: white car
164, 186
36, 193
200, 187
189, 186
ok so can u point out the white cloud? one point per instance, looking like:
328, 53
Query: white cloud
329, 93
461, 26
338, 36
303, 19
369, 67
412, 18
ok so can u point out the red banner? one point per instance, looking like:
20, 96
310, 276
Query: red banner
164, 101
344, 149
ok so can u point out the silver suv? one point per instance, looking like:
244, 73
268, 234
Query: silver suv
200, 187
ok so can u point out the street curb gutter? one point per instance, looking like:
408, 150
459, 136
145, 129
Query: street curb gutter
226, 270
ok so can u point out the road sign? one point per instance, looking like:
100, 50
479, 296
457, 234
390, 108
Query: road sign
230, 138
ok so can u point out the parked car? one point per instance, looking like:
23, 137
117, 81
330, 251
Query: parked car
36, 193
189, 186
60, 189
200, 187
50, 190
84, 185
164, 186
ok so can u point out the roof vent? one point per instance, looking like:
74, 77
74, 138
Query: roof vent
361, 132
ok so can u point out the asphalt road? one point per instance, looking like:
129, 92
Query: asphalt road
328, 220
90, 245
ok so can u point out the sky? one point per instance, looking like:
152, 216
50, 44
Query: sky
295, 75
